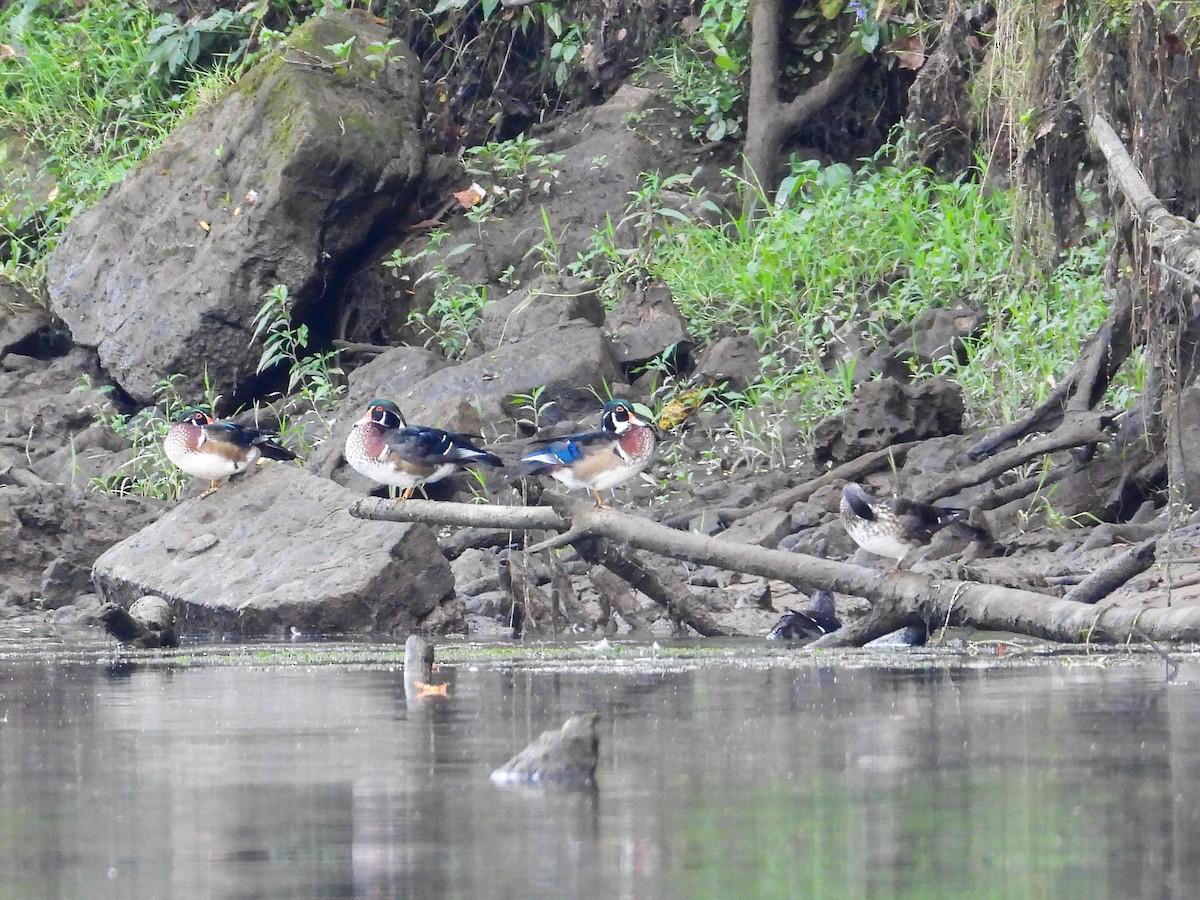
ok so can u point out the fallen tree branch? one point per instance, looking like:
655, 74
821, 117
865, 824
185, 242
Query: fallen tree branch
657, 583
1114, 573
1077, 430
1177, 238
903, 597
848, 471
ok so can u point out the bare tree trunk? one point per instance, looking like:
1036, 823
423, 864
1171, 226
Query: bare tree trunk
770, 121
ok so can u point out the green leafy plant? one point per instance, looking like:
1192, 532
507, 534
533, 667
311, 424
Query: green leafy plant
713, 106
341, 50
712, 100
533, 407
380, 53
874, 247
565, 52
511, 170
91, 89
176, 46
455, 307
313, 377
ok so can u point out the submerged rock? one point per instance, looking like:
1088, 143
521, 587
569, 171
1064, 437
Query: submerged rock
566, 756
278, 552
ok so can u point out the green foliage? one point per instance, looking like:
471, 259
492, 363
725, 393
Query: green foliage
148, 473
565, 52
533, 33
454, 311
511, 170
312, 377
177, 46
711, 101
711, 98
621, 254
878, 246
532, 407
95, 89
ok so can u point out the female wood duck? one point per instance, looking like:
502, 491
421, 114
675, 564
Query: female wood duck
205, 448
385, 448
817, 618
895, 528
598, 459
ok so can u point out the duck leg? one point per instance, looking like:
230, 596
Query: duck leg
212, 487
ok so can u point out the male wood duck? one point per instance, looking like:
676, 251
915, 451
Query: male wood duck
385, 448
815, 619
597, 460
205, 448
896, 527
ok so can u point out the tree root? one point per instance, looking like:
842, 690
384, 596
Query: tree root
1078, 428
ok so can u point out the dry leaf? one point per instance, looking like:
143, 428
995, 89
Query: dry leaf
471, 196
53, 195
8, 52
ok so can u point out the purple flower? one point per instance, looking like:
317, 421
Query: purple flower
857, 7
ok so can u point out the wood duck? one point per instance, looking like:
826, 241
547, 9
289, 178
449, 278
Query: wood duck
205, 448
386, 449
597, 460
817, 618
896, 527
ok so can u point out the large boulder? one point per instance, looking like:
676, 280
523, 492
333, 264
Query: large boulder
528, 313
278, 552
281, 181
604, 160
888, 412
50, 535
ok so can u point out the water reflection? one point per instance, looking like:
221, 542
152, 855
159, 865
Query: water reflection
717, 782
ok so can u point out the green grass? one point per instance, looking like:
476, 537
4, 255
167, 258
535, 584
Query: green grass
89, 92
869, 249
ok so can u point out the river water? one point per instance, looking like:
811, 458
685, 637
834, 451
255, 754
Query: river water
263, 773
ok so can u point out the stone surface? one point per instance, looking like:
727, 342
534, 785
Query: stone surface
148, 623
604, 158
280, 181
566, 756
50, 534
764, 528
287, 556
23, 323
887, 412
914, 346
733, 361
544, 306
645, 323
